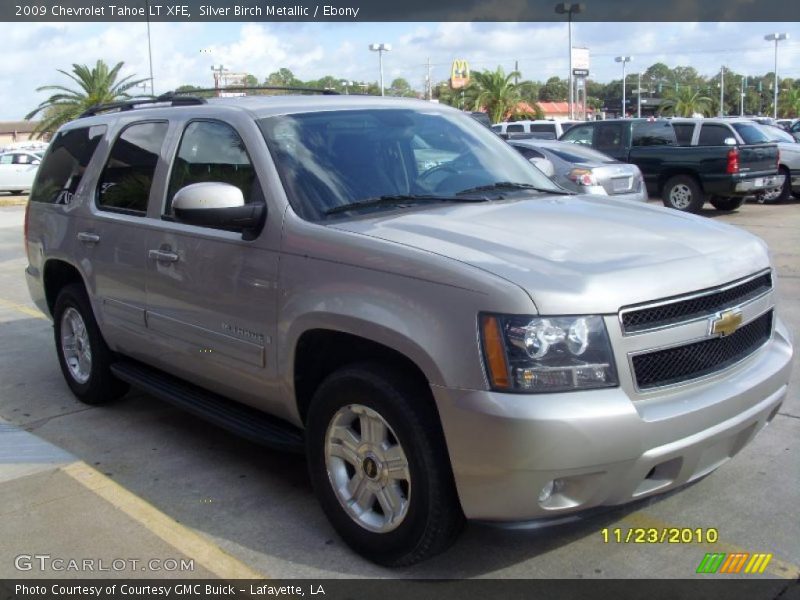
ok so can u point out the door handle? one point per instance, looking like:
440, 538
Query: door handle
88, 238
162, 255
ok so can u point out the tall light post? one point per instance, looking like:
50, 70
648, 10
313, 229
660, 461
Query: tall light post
569, 10
380, 49
624, 60
776, 37
346, 85
149, 47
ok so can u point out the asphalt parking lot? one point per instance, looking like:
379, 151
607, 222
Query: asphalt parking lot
138, 481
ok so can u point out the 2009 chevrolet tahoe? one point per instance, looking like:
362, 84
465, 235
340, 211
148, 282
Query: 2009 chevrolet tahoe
391, 288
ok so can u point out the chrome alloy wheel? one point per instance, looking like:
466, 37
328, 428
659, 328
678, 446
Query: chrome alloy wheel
75, 345
367, 468
680, 196
769, 195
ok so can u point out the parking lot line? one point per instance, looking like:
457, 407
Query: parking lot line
776, 567
183, 539
27, 310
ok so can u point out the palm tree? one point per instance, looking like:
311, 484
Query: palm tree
790, 103
95, 86
495, 92
685, 103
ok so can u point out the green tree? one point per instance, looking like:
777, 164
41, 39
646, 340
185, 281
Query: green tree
789, 103
96, 85
496, 93
685, 103
401, 87
554, 90
283, 77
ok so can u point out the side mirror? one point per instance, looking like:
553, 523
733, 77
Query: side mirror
220, 205
544, 165
730, 141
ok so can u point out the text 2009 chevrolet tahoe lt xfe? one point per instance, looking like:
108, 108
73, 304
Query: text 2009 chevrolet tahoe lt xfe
389, 286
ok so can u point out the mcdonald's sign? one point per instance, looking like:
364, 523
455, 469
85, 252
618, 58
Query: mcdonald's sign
720, 562
459, 74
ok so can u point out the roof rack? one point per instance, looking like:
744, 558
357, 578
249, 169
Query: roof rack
247, 88
171, 97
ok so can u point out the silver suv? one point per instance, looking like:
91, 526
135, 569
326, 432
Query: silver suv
392, 289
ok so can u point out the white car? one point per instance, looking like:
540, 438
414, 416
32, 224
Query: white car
17, 170
790, 165
542, 129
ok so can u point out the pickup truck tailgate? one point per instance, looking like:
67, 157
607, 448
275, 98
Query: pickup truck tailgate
758, 158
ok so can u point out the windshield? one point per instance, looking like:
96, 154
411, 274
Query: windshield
335, 158
776, 135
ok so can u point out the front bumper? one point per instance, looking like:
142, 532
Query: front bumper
603, 447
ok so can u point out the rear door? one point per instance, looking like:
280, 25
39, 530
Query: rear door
112, 236
211, 294
651, 143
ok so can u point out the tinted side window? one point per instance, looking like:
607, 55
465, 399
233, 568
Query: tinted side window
683, 132
211, 151
543, 127
751, 134
653, 134
128, 175
579, 134
22, 159
64, 164
608, 137
713, 135
515, 128
7, 159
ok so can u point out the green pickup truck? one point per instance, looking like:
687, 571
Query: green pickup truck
718, 168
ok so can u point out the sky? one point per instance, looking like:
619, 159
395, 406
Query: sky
184, 52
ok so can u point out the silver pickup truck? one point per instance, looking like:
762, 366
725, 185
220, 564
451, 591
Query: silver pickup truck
447, 339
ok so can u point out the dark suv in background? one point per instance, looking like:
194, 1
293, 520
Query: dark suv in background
718, 168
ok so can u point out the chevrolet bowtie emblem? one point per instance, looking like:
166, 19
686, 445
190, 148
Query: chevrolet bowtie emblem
725, 323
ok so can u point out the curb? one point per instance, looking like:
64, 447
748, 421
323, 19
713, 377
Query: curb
14, 201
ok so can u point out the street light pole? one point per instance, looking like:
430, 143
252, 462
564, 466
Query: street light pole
569, 10
722, 91
624, 60
380, 49
776, 37
639, 97
149, 48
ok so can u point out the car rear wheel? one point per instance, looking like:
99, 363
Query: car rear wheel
728, 204
83, 355
379, 465
683, 193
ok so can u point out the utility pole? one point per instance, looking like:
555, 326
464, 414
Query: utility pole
639, 97
722, 91
516, 70
149, 48
741, 100
428, 90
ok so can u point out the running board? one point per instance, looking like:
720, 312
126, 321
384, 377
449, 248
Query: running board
237, 418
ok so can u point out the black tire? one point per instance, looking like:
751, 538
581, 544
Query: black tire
683, 193
785, 193
727, 204
101, 386
17, 192
433, 517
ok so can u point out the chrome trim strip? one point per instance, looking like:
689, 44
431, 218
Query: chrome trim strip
694, 380
676, 299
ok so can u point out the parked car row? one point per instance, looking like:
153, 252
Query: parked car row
18, 169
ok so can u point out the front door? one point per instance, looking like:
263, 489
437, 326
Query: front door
211, 294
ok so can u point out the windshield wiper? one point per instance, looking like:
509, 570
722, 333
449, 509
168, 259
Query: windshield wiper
511, 185
398, 199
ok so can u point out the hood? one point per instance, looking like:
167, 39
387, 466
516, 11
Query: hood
578, 254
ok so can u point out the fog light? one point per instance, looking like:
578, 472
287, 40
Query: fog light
550, 488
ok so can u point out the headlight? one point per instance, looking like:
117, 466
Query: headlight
547, 354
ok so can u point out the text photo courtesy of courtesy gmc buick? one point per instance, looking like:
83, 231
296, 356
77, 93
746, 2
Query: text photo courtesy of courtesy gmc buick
389, 287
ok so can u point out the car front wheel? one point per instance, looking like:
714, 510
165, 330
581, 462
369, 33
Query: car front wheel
379, 466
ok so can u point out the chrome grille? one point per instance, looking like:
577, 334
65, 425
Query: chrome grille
697, 306
691, 361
